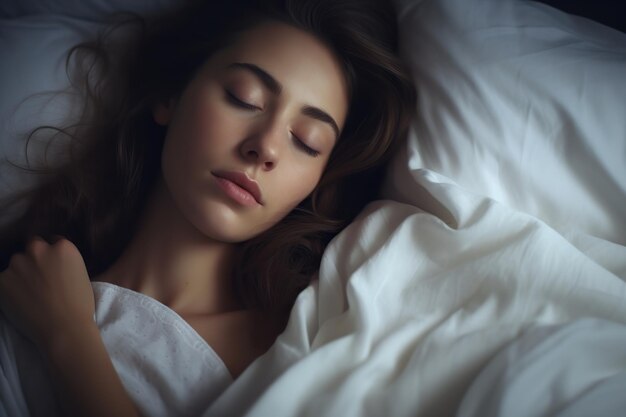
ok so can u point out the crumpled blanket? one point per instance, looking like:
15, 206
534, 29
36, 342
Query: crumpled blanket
412, 306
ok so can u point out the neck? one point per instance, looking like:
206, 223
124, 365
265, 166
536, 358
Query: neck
173, 262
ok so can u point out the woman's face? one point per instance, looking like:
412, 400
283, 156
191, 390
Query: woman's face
249, 137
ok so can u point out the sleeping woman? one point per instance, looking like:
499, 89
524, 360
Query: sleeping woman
218, 154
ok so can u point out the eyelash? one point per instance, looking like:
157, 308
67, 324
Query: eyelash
299, 143
240, 103
304, 147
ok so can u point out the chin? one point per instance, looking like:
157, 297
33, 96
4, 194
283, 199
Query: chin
227, 228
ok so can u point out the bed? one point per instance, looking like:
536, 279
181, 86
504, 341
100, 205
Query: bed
490, 278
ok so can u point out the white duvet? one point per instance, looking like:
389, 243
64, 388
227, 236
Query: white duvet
410, 307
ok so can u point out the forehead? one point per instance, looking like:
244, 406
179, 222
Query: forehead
307, 69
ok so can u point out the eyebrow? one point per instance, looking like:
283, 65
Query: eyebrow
275, 87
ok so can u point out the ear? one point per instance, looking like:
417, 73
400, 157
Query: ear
162, 113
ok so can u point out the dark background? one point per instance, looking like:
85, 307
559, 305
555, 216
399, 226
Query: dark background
609, 12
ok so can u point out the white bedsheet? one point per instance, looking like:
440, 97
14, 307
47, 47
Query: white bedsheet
411, 306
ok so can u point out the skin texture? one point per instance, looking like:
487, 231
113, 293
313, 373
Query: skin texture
181, 253
54, 279
227, 119
208, 130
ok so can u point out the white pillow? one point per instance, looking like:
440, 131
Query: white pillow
32, 68
35, 38
522, 103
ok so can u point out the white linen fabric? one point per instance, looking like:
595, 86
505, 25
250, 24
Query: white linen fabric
587, 357
524, 104
410, 307
506, 231
165, 366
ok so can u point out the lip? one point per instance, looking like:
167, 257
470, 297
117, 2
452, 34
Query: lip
239, 187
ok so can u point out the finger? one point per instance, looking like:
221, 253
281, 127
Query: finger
66, 247
22, 267
56, 238
18, 263
35, 243
36, 247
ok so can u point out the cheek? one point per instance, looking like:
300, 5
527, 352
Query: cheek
296, 186
197, 135
209, 125
201, 127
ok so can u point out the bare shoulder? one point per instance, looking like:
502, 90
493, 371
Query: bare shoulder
238, 337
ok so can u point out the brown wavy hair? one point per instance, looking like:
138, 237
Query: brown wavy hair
96, 197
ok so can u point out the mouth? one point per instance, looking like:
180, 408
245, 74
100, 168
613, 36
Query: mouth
239, 187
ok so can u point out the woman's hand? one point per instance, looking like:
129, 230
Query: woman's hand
46, 290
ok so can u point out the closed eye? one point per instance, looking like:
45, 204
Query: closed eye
233, 99
304, 147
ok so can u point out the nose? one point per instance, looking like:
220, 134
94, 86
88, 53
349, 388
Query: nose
262, 147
